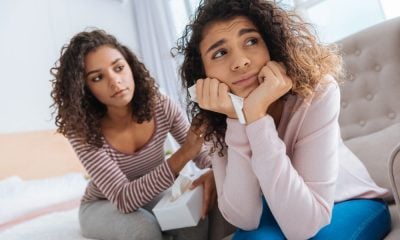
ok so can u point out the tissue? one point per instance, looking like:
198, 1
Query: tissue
181, 185
181, 207
236, 101
192, 93
238, 106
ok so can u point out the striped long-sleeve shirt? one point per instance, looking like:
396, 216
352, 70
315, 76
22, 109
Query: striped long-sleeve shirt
130, 181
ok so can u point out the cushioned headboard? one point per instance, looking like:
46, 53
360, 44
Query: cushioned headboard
371, 91
33, 155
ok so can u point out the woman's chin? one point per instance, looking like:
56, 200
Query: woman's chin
244, 93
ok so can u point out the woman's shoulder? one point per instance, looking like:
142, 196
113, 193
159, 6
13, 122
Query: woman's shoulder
163, 101
325, 97
167, 103
327, 84
328, 87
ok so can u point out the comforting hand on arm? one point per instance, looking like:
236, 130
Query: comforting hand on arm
191, 146
188, 151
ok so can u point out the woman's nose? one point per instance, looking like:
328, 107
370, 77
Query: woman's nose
241, 63
115, 81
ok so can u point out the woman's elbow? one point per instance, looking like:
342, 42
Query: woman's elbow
246, 219
307, 231
250, 225
123, 207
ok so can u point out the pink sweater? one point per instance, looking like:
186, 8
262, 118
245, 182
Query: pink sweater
302, 167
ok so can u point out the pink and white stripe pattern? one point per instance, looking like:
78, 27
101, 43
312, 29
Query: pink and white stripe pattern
132, 180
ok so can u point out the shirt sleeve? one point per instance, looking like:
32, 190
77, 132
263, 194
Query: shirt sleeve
179, 127
300, 189
235, 177
126, 195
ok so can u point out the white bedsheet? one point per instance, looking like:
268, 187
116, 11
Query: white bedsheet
55, 226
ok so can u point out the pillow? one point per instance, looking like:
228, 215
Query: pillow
68, 205
375, 150
20, 198
60, 225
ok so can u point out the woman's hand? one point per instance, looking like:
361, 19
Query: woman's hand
188, 150
193, 142
213, 95
209, 193
274, 83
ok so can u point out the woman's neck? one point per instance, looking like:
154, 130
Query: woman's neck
118, 118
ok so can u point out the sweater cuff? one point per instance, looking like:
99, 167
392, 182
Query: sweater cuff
261, 134
235, 132
166, 174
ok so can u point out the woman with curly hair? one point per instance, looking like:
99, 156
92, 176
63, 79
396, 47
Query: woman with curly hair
110, 109
287, 162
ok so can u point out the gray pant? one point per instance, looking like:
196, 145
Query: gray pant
102, 220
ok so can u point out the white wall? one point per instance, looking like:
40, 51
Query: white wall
32, 33
336, 19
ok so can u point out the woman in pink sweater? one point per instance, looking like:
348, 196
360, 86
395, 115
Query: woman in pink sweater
285, 173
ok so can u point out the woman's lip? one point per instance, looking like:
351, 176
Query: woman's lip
119, 92
245, 79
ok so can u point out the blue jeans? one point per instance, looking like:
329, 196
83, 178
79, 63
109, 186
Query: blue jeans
358, 219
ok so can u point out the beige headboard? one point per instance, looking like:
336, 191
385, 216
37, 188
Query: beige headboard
34, 155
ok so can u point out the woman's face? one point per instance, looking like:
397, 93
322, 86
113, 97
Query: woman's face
109, 77
234, 52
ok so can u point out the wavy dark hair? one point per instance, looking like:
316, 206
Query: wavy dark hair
288, 38
77, 111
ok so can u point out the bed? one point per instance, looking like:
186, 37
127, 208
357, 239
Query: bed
41, 183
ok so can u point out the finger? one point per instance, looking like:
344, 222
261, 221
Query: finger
206, 201
265, 74
213, 200
194, 128
203, 129
223, 90
282, 67
206, 92
274, 66
286, 78
195, 183
199, 91
213, 92
289, 83
198, 181
224, 87
214, 87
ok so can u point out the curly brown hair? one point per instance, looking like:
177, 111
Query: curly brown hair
77, 111
289, 40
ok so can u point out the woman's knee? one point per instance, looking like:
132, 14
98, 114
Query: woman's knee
357, 219
143, 226
102, 220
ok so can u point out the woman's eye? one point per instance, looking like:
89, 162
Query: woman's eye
97, 78
119, 68
251, 42
219, 54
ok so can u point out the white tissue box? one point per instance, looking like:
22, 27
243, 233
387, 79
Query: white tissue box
185, 211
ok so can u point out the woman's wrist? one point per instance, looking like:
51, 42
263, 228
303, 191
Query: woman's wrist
254, 116
232, 114
177, 161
